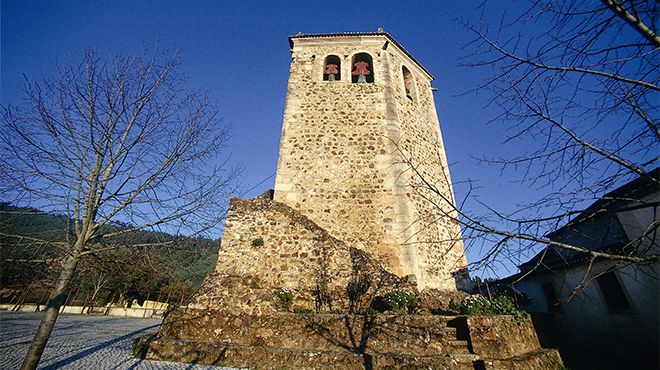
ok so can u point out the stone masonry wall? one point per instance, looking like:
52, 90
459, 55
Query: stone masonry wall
340, 162
432, 219
333, 165
294, 253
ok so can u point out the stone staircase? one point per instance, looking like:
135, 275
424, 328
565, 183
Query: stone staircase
235, 319
326, 341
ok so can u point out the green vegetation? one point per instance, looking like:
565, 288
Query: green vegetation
172, 271
399, 300
480, 305
286, 297
304, 310
258, 242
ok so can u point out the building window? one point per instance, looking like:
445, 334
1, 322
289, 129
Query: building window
408, 83
362, 68
615, 297
332, 68
554, 305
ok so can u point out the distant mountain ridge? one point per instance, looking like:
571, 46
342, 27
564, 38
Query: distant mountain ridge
129, 273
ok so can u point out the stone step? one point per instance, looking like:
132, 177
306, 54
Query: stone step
405, 334
450, 332
447, 362
232, 355
458, 346
542, 358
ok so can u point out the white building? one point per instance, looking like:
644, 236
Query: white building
602, 314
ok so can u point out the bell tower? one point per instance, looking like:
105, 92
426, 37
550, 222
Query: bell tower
360, 131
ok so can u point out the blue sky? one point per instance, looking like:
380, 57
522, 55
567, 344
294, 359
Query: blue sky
239, 52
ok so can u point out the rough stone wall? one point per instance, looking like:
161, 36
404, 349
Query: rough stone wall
418, 335
296, 254
340, 162
501, 336
430, 222
312, 341
333, 165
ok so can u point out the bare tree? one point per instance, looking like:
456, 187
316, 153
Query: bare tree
98, 278
117, 146
576, 85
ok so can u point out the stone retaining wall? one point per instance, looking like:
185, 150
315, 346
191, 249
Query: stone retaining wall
80, 310
501, 336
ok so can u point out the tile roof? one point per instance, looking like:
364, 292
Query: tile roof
635, 189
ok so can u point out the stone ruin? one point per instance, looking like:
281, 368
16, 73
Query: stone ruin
304, 272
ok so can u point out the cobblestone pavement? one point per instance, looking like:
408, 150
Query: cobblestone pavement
81, 342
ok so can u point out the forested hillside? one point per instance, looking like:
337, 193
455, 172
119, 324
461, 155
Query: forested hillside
166, 268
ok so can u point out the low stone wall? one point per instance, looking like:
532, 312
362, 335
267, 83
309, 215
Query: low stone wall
414, 335
322, 341
80, 310
540, 359
134, 312
257, 357
501, 336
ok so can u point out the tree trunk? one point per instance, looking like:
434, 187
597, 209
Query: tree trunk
21, 299
50, 315
92, 302
85, 303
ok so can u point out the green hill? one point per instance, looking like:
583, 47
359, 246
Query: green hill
173, 271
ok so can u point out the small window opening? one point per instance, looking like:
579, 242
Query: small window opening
408, 82
615, 297
362, 68
554, 305
332, 68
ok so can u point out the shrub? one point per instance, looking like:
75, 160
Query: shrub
286, 296
399, 300
302, 310
480, 305
258, 242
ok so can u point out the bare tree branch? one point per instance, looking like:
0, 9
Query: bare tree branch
116, 147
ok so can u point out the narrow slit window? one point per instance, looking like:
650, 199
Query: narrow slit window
362, 68
408, 83
615, 297
332, 68
554, 305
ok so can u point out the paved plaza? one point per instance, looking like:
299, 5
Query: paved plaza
81, 342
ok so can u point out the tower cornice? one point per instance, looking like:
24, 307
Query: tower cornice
359, 34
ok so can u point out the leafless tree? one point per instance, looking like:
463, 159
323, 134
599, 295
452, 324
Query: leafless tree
576, 85
98, 278
118, 146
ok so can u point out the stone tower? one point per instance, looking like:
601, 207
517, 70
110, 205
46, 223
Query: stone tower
300, 272
360, 132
